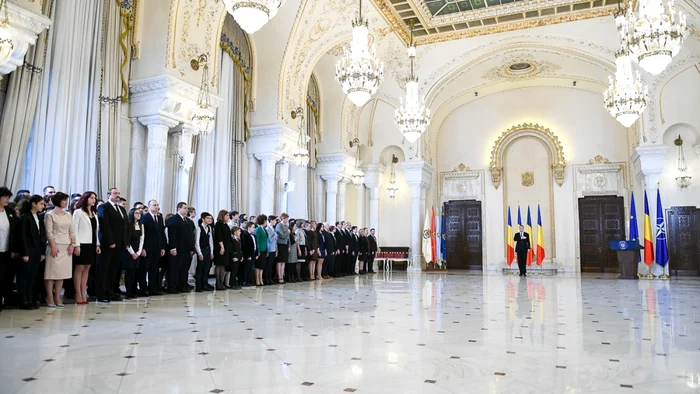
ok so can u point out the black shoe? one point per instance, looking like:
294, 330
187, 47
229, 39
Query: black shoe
173, 291
209, 287
115, 297
36, 305
155, 293
26, 306
198, 290
143, 294
103, 300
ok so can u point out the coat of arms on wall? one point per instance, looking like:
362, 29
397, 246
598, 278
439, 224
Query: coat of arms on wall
528, 178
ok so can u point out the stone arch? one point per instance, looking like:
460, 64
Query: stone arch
536, 131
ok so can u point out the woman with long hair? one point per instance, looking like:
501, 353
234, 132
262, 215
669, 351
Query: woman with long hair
32, 251
311, 248
222, 248
85, 254
321, 250
61, 235
133, 252
260, 235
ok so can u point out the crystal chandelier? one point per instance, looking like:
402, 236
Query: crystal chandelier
412, 117
359, 71
251, 15
357, 176
626, 97
654, 36
683, 178
7, 45
300, 156
392, 189
203, 117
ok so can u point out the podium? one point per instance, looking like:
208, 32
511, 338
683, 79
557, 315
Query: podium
627, 258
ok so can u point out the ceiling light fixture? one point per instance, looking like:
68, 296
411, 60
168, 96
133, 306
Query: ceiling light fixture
392, 188
683, 178
412, 117
359, 71
300, 156
357, 176
626, 96
203, 118
251, 15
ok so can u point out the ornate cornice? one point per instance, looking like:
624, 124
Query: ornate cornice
25, 26
533, 130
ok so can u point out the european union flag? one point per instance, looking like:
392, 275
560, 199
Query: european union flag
634, 228
661, 245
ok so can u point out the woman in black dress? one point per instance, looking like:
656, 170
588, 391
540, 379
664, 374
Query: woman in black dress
222, 246
364, 249
133, 252
86, 229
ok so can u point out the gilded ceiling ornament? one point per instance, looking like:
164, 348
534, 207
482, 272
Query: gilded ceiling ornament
461, 168
528, 178
599, 160
520, 66
542, 133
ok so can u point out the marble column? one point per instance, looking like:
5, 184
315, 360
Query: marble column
320, 214
418, 176
649, 162
138, 162
372, 174
157, 143
253, 201
281, 195
331, 197
360, 220
340, 204
186, 160
267, 181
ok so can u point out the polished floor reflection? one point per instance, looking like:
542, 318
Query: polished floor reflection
404, 333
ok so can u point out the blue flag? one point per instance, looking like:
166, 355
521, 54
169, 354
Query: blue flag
520, 221
443, 244
634, 228
661, 245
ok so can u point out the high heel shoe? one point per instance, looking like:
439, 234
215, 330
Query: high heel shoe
49, 304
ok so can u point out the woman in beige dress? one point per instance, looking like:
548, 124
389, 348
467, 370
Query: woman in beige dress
61, 236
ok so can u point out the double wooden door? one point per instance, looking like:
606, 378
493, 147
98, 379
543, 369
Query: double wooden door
463, 234
683, 234
601, 220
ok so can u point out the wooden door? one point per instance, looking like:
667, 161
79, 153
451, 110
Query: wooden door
463, 234
682, 233
601, 220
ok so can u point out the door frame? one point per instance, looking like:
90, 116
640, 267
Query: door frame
615, 184
483, 249
602, 223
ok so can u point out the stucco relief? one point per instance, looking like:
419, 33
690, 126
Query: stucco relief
521, 57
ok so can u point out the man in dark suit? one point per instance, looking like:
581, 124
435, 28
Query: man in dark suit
522, 246
8, 251
335, 270
191, 221
181, 245
354, 250
113, 238
373, 248
154, 247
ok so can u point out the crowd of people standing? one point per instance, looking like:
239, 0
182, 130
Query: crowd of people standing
46, 240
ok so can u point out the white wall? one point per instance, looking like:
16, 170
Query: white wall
577, 117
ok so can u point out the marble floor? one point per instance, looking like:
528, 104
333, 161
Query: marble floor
394, 333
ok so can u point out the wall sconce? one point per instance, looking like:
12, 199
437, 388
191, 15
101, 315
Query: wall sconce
392, 189
683, 178
358, 176
300, 154
203, 118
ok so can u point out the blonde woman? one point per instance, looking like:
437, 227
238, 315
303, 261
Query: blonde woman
61, 236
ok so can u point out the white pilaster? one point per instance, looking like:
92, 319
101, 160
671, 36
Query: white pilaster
360, 220
253, 201
185, 162
320, 214
649, 163
138, 162
157, 143
267, 182
331, 197
340, 207
373, 173
25, 26
283, 178
418, 176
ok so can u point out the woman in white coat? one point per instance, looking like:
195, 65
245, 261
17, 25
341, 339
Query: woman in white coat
85, 254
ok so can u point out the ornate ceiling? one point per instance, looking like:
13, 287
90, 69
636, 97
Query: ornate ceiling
444, 20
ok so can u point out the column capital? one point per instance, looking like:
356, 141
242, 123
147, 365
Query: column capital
418, 173
331, 178
373, 173
158, 120
25, 26
166, 95
268, 156
649, 162
340, 164
275, 138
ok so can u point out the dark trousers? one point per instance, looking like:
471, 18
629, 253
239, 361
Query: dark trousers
241, 274
327, 264
174, 271
130, 280
522, 262
234, 279
268, 273
201, 276
247, 276
145, 269
184, 266
27, 277
108, 267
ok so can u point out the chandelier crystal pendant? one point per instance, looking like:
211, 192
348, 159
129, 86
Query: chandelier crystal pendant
300, 155
654, 36
626, 97
7, 45
359, 71
203, 119
412, 117
251, 15
683, 178
392, 188
357, 176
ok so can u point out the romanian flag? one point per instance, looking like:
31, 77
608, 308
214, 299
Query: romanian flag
634, 228
433, 244
661, 245
438, 239
648, 248
540, 237
510, 250
528, 229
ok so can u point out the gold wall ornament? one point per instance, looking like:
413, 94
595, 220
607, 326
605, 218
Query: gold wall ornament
536, 131
599, 160
461, 168
528, 178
